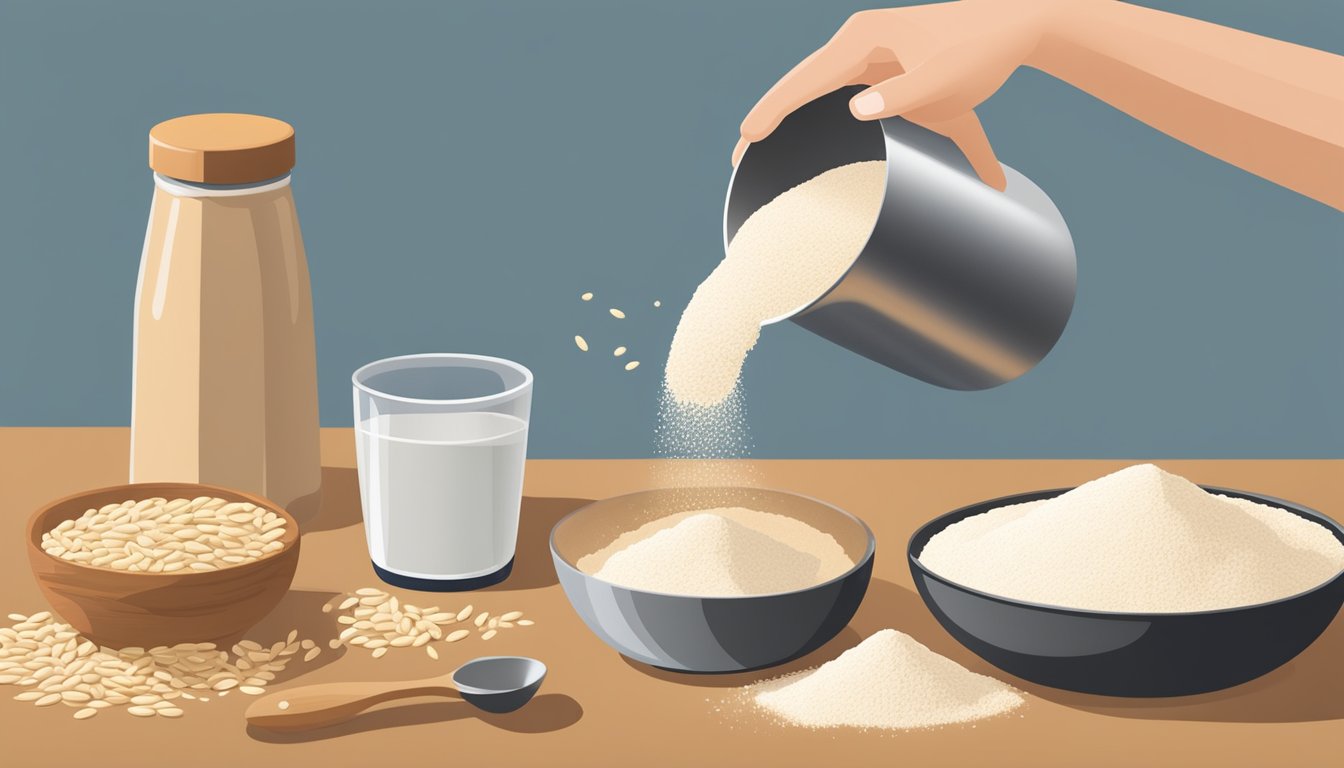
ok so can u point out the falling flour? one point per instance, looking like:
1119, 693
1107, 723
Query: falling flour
785, 255
889, 681
724, 552
1137, 540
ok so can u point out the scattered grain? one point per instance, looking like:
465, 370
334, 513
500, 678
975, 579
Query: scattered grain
68, 669
380, 622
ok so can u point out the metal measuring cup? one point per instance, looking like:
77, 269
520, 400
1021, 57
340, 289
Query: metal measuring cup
959, 285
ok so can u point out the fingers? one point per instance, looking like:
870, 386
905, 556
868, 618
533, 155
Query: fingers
830, 67
966, 132
901, 94
741, 147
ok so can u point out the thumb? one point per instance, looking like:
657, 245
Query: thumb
898, 95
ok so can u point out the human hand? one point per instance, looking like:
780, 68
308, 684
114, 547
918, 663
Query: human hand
931, 64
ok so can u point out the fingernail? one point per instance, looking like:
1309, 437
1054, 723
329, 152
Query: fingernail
867, 104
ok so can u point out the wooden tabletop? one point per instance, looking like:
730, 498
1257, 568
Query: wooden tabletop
597, 708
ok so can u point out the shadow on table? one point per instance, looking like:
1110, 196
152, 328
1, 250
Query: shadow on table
884, 605
842, 642
299, 610
547, 712
340, 507
532, 566
1305, 689
340, 501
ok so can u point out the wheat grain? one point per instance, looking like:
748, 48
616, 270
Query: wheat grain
154, 536
64, 668
380, 622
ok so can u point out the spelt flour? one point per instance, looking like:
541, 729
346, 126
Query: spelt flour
889, 681
785, 255
724, 552
1140, 540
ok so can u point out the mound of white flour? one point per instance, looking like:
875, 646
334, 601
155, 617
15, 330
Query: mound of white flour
726, 552
1139, 540
888, 681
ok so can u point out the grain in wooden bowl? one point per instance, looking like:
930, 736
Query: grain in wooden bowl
119, 607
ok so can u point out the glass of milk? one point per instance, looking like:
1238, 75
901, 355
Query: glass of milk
441, 440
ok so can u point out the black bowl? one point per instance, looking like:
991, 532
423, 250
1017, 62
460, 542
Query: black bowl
1127, 654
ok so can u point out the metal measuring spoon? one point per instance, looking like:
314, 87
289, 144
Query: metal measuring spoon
491, 683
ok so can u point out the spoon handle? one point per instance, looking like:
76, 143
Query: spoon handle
316, 706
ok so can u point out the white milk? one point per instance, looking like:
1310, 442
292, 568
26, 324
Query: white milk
441, 491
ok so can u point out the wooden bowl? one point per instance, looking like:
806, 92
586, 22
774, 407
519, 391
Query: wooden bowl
131, 608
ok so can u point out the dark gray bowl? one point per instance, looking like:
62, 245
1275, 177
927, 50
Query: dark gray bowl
709, 634
1127, 654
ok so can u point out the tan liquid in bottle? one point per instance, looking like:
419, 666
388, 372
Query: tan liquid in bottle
225, 382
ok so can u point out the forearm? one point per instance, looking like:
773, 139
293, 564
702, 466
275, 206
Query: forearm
1272, 108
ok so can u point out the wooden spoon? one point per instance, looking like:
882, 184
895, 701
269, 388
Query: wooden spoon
491, 683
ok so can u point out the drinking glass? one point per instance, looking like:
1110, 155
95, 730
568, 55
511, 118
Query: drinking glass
441, 441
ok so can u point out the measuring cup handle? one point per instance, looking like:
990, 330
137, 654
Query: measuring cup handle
317, 706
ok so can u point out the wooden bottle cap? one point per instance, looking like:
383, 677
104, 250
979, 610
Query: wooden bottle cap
222, 148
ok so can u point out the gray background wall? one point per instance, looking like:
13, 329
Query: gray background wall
467, 169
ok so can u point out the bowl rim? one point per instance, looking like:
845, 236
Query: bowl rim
869, 551
936, 525
290, 539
